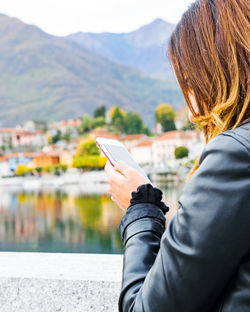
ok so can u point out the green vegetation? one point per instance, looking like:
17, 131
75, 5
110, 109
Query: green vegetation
88, 147
165, 115
181, 152
67, 136
127, 122
121, 121
188, 126
89, 123
61, 136
88, 156
49, 77
133, 124
57, 137
98, 122
23, 170
89, 162
100, 112
38, 170
117, 116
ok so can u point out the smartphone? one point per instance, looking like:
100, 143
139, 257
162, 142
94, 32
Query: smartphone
115, 150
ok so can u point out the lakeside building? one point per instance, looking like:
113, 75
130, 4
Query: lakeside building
34, 126
164, 146
142, 152
65, 126
161, 149
100, 132
67, 157
131, 140
42, 160
10, 162
12, 137
4, 167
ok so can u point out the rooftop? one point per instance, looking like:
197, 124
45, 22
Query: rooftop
131, 137
176, 134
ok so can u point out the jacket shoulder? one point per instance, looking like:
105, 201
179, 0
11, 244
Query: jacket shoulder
233, 142
241, 134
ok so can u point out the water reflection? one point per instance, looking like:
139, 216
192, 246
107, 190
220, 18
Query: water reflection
64, 220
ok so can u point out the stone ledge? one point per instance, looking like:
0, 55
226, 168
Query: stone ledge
43, 282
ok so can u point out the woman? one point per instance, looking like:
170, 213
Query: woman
201, 262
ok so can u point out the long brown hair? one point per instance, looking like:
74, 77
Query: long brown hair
210, 54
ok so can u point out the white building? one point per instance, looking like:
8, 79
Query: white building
132, 140
142, 152
6, 136
65, 126
164, 146
34, 126
4, 167
11, 137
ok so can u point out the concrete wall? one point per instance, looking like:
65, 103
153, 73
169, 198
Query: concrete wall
43, 282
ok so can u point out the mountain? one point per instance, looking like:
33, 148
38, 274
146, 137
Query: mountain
51, 78
144, 49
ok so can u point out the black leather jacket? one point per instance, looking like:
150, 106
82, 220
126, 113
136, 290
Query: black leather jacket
201, 261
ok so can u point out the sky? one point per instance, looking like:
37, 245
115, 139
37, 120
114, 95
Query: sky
62, 17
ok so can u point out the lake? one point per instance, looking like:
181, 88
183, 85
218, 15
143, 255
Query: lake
65, 220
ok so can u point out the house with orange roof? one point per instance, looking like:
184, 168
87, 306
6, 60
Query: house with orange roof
24, 138
67, 157
131, 140
46, 159
100, 132
6, 136
15, 159
65, 126
142, 152
12, 137
164, 146
10, 162
34, 126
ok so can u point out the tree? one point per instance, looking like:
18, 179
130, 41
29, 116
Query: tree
89, 162
100, 112
188, 125
67, 135
57, 137
87, 123
133, 123
87, 147
63, 167
21, 170
165, 115
181, 152
117, 116
98, 122
47, 169
39, 170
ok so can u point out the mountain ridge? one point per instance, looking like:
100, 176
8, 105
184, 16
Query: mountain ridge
53, 78
144, 49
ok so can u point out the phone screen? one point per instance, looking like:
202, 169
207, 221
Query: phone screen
121, 153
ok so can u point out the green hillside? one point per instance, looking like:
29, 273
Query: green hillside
49, 78
144, 48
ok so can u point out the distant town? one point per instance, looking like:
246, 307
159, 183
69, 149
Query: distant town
36, 148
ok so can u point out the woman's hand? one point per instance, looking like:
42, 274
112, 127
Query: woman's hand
123, 180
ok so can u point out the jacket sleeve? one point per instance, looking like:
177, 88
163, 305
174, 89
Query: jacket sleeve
188, 267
